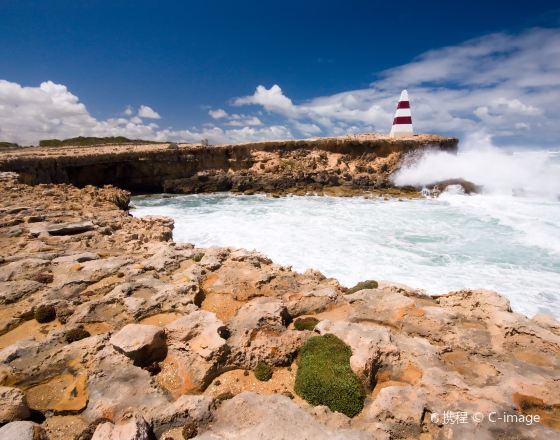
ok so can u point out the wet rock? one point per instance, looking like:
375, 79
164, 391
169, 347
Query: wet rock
13, 405
143, 344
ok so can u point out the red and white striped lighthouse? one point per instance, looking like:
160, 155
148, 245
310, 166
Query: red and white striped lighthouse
402, 123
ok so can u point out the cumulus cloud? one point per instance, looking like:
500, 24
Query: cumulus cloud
218, 114
148, 113
28, 114
501, 84
502, 87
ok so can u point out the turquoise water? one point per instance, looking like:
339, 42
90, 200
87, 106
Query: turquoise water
504, 243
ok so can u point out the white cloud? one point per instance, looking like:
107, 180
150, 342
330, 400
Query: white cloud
271, 99
148, 113
218, 114
502, 84
28, 114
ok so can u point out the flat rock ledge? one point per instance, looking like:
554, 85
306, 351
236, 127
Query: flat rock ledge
109, 329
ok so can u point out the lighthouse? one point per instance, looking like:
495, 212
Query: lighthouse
402, 122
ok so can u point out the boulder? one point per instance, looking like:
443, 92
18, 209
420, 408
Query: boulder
259, 333
200, 331
197, 352
22, 431
143, 344
13, 405
131, 426
368, 345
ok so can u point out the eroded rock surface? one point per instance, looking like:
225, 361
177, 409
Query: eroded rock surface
169, 334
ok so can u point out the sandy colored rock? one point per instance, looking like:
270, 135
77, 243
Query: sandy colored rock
224, 310
249, 415
131, 426
13, 405
22, 431
141, 343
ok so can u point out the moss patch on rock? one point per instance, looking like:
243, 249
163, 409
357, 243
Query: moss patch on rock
368, 284
263, 372
308, 323
324, 376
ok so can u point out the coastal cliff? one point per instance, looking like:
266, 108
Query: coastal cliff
108, 326
347, 164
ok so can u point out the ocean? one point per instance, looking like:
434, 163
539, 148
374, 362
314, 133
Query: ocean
505, 239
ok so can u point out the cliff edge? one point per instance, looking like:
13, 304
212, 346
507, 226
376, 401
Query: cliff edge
350, 164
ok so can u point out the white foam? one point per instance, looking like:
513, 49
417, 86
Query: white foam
522, 173
450, 243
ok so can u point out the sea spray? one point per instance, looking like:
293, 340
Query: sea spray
503, 243
533, 173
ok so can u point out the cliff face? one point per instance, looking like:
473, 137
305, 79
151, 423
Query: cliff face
361, 162
107, 325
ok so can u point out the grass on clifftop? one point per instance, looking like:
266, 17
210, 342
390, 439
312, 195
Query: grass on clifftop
324, 376
85, 141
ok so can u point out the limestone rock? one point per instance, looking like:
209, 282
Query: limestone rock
132, 426
252, 416
13, 405
200, 330
22, 431
143, 344
197, 353
63, 228
195, 409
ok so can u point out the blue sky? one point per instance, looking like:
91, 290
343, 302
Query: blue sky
336, 62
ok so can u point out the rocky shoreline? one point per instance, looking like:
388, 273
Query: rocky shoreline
109, 329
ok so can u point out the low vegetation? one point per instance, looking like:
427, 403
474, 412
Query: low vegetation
324, 376
44, 313
307, 323
82, 141
76, 334
263, 372
362, 285
197, 257
8, 145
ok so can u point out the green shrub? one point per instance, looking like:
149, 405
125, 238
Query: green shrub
263, 372
368, 284
197, 257
324, 376
308, 323
76, 334
44, 313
